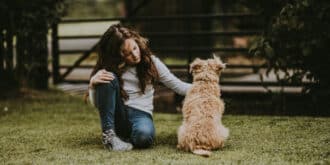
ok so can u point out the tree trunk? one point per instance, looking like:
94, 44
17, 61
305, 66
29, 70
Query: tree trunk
38, 70
9, 52
21, 58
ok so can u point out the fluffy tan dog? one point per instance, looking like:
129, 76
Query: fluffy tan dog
202, 130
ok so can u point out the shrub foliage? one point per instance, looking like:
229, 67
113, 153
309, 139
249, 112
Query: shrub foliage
296, 41
24, 26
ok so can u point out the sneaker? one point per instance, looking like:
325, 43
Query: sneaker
112, 142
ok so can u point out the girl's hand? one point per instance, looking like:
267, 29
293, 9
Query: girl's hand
102, 76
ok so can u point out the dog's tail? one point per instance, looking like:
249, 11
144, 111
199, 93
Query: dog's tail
202, 152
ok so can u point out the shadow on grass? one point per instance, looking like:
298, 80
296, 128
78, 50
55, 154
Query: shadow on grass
87, 142
90, 141
275, 104
166, 139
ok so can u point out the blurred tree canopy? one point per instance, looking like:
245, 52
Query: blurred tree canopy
26, 24
296, 41
92, 8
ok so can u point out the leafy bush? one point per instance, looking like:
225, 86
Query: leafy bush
296, 42
28, 22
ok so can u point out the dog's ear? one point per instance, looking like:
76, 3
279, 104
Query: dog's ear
195, 65
216, 64
222, 65
219, 62
214, 56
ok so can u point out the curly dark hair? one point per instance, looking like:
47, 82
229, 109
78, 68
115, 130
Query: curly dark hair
109, 56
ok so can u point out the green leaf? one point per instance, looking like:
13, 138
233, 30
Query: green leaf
269, 51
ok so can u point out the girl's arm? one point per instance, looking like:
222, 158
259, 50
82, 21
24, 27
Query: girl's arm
170, 80
102, 76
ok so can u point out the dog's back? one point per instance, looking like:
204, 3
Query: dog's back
201, 115
202, 109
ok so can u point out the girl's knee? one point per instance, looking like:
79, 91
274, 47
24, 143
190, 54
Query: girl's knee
113, 84
143, 138
106, 94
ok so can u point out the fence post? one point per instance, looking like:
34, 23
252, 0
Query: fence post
1, 51
9, 41
128, 8
55, 54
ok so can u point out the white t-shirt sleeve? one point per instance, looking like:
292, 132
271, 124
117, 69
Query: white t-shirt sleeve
170, 80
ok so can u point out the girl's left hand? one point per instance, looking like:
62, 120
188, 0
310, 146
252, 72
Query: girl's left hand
102, 76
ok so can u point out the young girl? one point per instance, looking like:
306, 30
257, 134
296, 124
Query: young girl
121, 87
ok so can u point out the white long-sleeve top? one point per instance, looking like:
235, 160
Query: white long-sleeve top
144, 102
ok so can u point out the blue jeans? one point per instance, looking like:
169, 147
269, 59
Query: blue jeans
128, 123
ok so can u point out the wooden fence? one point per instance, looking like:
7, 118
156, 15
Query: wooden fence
189, 52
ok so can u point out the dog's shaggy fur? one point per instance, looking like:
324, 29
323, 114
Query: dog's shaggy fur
202, 130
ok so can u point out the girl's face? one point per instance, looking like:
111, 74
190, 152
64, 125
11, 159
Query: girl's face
130, 51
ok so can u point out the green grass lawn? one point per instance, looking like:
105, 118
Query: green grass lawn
54, 128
